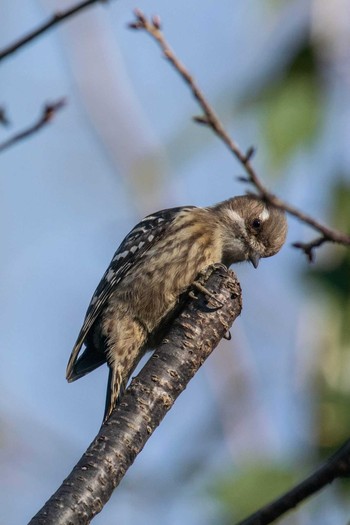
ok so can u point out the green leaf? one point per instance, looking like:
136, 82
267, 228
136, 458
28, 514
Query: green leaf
254, 486
289, 102
291, 118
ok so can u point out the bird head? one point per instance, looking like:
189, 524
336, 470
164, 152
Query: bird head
252, 229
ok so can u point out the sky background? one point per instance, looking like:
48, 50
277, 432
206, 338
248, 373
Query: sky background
124, 146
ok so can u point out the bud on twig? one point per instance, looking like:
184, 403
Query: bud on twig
250, 153
157, 24
201, 119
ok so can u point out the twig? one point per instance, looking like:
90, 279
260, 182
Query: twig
209, 118
192, 337
3, 117
48, 113
54, 20
337, 466
308, 247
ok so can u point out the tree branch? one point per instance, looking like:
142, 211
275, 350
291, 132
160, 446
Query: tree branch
191, 339
337, 466
54, 20
48, 113
209, 118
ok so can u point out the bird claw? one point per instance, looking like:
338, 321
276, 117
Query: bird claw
206, 292
227, 335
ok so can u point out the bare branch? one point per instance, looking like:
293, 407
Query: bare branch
337, 466
212, 120
48, 113
308, 247
191, 339
54, 20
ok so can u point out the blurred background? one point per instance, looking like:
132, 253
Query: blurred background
267, 406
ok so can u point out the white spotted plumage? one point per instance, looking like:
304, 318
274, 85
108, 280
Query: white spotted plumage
121, 263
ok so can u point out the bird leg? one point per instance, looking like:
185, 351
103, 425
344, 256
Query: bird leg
198, 284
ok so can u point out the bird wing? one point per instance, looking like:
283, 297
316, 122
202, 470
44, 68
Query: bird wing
141, 238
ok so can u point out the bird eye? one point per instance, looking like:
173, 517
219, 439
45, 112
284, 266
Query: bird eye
256, 223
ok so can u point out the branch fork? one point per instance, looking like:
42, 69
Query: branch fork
210, 119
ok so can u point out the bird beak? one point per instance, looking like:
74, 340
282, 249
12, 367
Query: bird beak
254, 259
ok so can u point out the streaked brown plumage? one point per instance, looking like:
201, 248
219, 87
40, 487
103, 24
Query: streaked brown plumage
156, 263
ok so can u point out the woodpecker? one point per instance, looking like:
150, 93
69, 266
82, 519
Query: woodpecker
155, 264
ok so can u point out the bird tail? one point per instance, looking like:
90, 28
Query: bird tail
88, 361
115, 390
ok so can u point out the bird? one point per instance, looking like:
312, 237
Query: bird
153, 267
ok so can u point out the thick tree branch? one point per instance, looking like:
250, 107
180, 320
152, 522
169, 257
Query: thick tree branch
337, 466
53, 21
209, 118
48, 113
191, 339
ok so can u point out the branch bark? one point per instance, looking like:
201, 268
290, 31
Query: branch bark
191, 339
